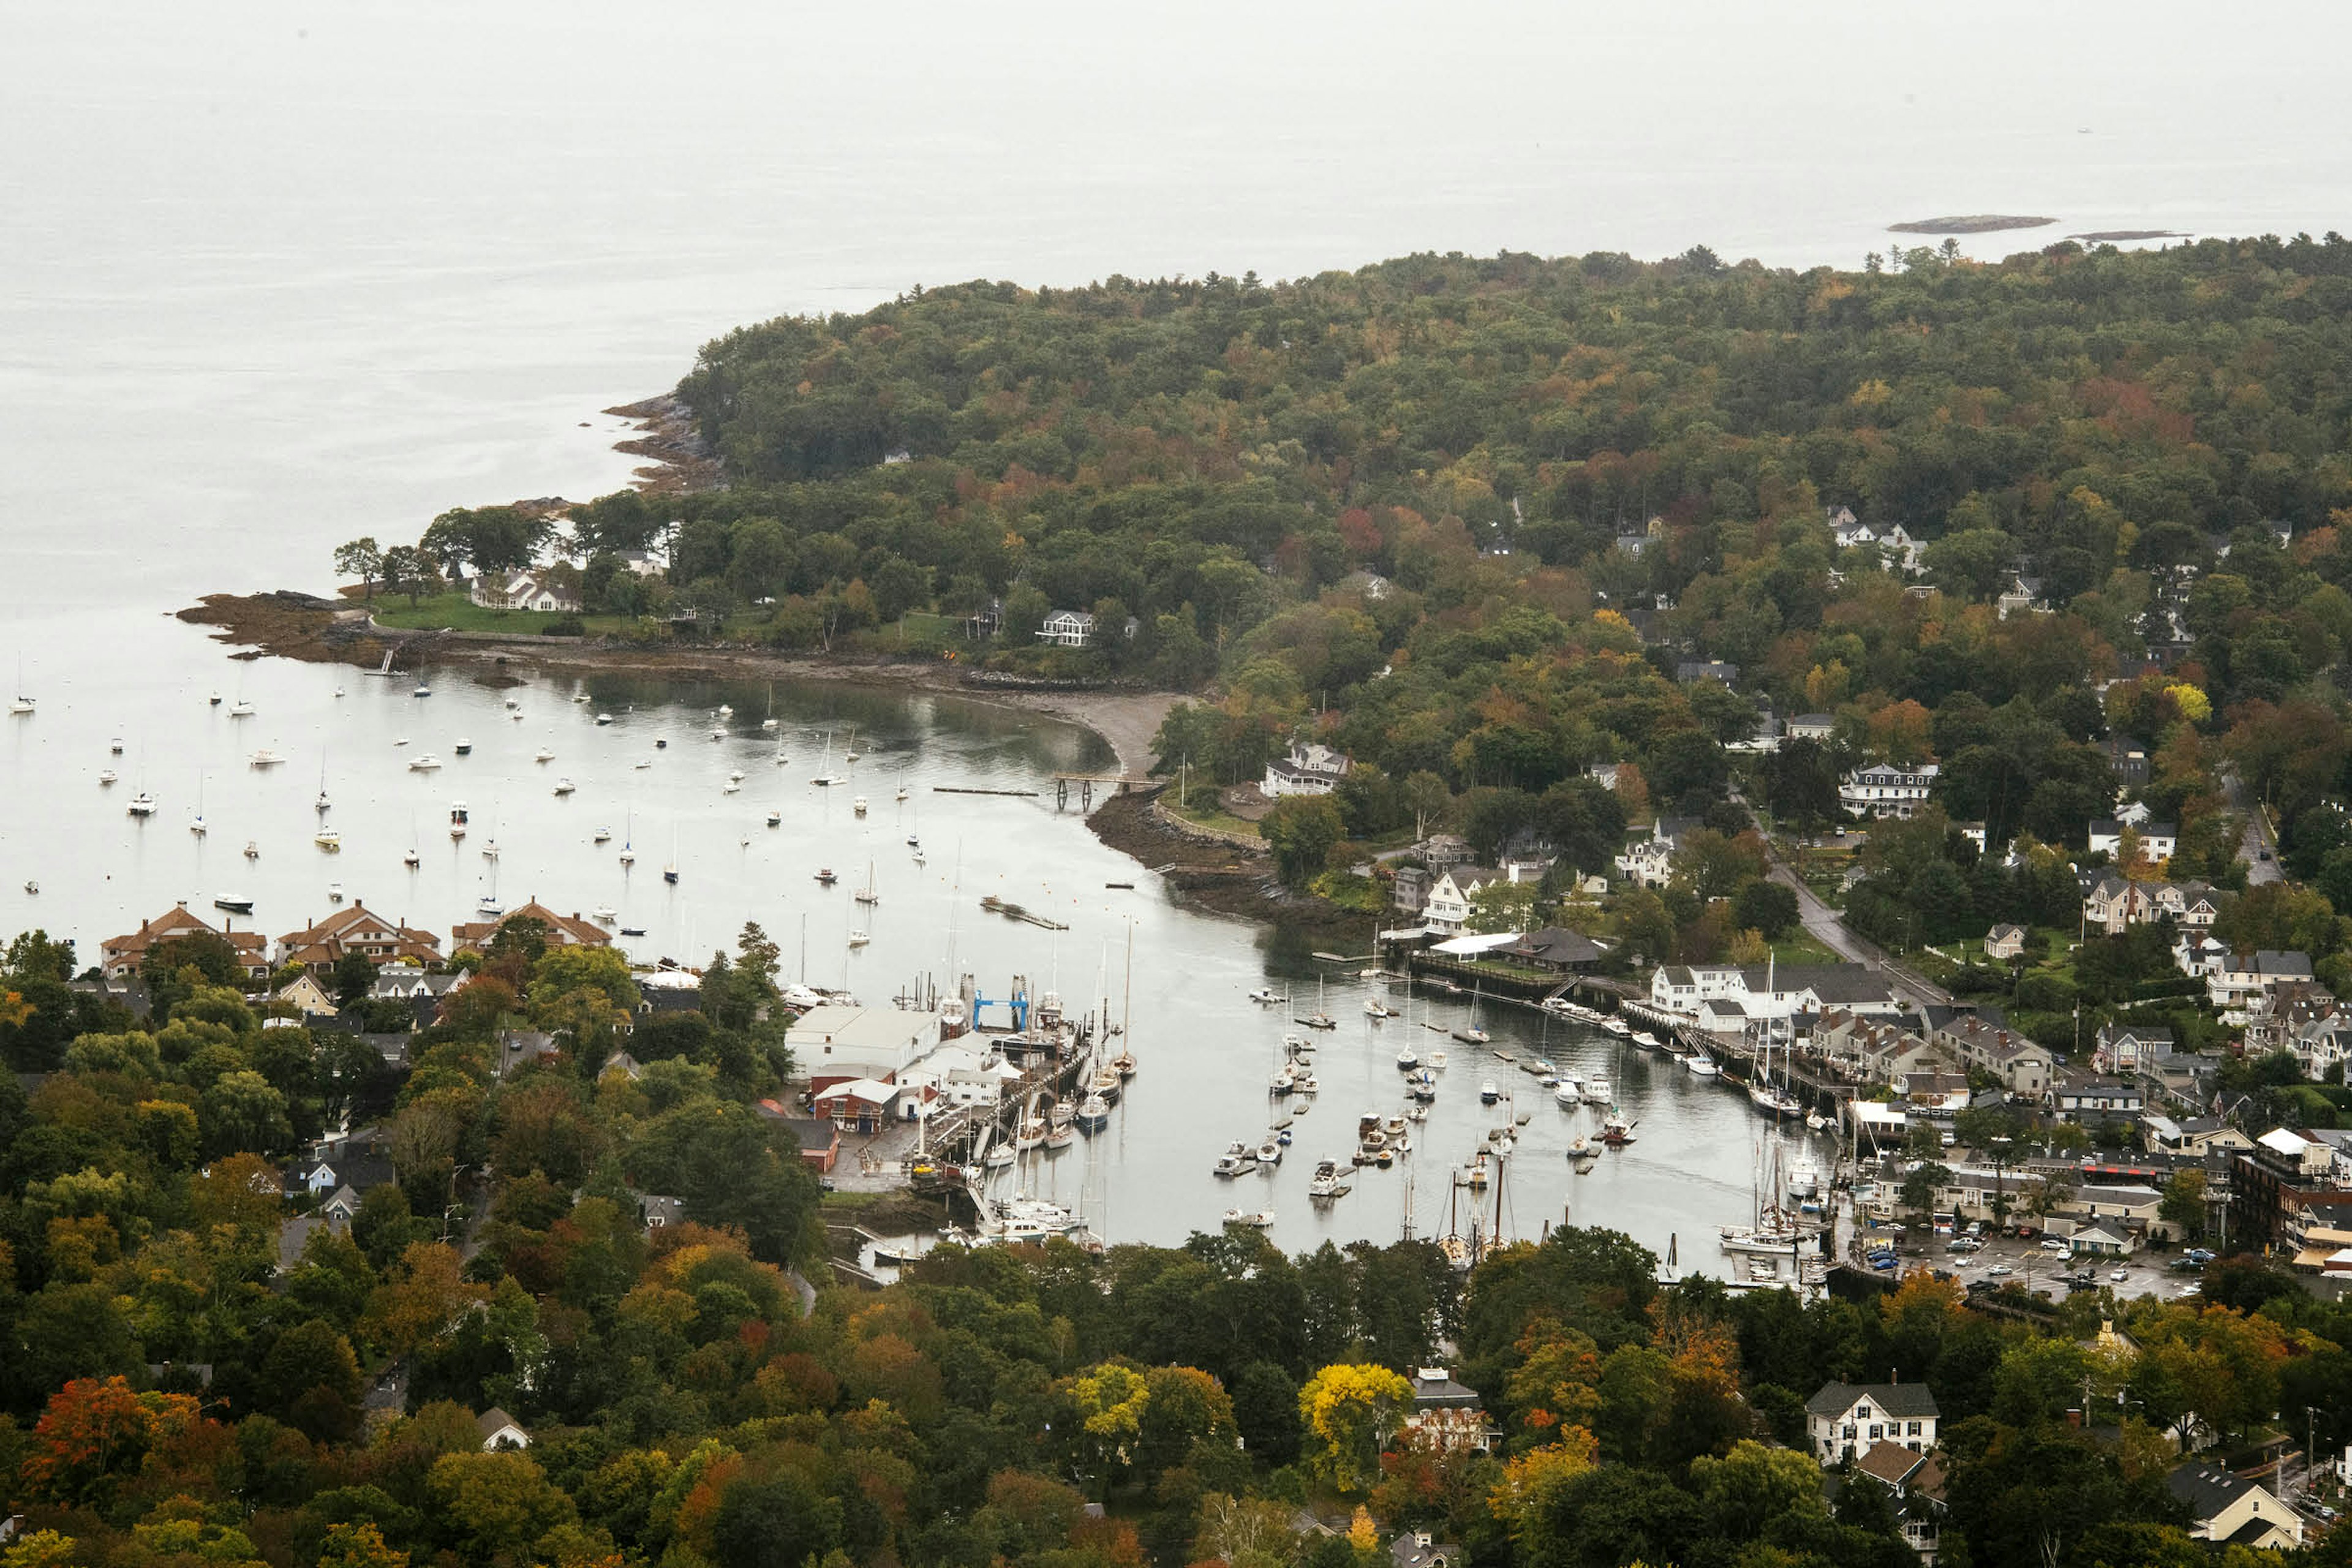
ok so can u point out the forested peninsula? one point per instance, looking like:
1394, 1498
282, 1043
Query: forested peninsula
1546, 549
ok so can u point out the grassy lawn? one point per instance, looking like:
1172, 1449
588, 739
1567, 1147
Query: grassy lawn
1205, 813
1798, 947
459, 612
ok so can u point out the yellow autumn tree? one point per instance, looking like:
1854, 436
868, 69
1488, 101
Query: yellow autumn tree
2194, 705
1351, 1408
1533, 1480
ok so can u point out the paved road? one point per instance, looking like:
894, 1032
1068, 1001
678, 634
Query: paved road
1822, 924
2258, 850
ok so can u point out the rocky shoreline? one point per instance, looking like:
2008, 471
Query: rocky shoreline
1204, 873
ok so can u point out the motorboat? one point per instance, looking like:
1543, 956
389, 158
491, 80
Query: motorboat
776, 819
215, 700
602, 836
603, 718
858, 806
252, 850
327, 838
1238, 1159
1285, 1079
1646, 1040
114, 747
1701, 1065
1264, 997
490, 849
1257, 1219
231, 903
1487, 1093
1598, 1091
1804, 1179
1816, 1123
633, 931
464, 747
1325, 1184
824, 875
1269, 1154
858, 939
901, 794
143, 804
488, 907
606, 914
564, 786
106, 776
1615, 1025
334, 893
422, 691
412, 859
1565, 1094
1436, 1060
1014, 1220
265, 758
1615, 1130
426, 764
242, 709
544, 754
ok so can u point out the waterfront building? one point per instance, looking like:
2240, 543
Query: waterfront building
121, 955
1308, 769
360, 930
562, 931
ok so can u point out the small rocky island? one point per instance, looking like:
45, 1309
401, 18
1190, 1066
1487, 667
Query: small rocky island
1979, 223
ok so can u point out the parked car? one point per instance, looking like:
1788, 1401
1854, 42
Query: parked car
2000, 1269
2120, 1275
2052, 1244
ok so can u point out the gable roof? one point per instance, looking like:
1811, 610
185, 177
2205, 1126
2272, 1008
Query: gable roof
2208, 1490
1907, 1400
562, 928
1889, 1462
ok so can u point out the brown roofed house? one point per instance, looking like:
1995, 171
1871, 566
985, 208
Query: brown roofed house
358, 929
121, 955
562, 931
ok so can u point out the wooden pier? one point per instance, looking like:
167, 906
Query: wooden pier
1120, 784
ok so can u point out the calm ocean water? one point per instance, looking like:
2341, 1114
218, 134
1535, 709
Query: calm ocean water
288, 273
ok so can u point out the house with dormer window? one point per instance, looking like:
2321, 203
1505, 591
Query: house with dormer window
1845, 1420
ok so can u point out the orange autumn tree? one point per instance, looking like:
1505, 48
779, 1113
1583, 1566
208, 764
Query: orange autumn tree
95, 1430
1556, 1387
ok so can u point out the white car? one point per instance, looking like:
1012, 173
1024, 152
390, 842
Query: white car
2000, 1268
2052, 1244
2120, 1275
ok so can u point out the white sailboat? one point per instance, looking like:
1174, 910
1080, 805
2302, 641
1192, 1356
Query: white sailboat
669, 872
196, 825
628, 839
868, 894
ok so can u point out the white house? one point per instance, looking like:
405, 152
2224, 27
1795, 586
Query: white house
1448, 908
1813, 726
2157, 841
501, 1430
2005, 942
1885, 790
522, 591
1846, 1419
1310, 769
1069, 628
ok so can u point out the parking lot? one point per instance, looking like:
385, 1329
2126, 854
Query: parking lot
2005, 1260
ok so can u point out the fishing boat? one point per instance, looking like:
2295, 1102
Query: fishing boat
824, 875
1615, 1025
233, 904
1701, 1065
426, 764
1647, 1040
1257, 1219
1615, 1130
328, 839
143, 804
1487, 1093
